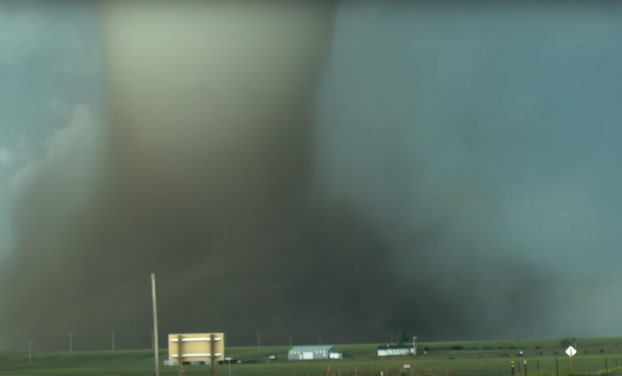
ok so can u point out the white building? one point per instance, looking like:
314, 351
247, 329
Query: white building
396, 350
313, 352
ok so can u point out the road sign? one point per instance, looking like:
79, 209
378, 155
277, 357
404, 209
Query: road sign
571, 351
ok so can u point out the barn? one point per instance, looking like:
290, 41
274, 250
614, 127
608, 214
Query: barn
313, 352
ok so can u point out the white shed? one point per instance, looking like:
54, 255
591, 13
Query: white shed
395, 350
313, 352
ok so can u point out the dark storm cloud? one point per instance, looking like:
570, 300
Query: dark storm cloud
481, 139
416, 199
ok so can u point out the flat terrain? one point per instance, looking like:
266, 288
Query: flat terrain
441, 358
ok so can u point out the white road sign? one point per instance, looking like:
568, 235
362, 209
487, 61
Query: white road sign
571, 351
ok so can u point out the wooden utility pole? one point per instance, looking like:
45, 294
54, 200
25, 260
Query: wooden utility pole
212, 354
29, 352
180, 356
155, 325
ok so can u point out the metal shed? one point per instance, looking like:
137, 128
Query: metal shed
313, 352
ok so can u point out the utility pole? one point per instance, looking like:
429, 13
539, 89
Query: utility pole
29, 352
212, 354
112, 334
180, 356
70, 342
258, 339
155, 325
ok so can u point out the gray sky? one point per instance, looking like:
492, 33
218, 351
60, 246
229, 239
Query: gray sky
518, 104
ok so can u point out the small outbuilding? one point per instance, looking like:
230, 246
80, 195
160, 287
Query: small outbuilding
313, 352
396, 350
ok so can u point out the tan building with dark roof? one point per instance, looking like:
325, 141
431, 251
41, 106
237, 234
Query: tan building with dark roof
197, 348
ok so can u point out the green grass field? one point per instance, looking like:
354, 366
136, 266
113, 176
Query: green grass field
442, 358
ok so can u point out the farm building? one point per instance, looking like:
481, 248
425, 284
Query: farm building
196, 348
313, 352
396, 350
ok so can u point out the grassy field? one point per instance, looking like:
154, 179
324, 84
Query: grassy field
442, 358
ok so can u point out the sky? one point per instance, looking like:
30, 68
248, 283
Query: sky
517, 104
455, 163
49, 67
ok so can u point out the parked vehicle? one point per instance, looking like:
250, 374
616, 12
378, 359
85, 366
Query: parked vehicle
230, 361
